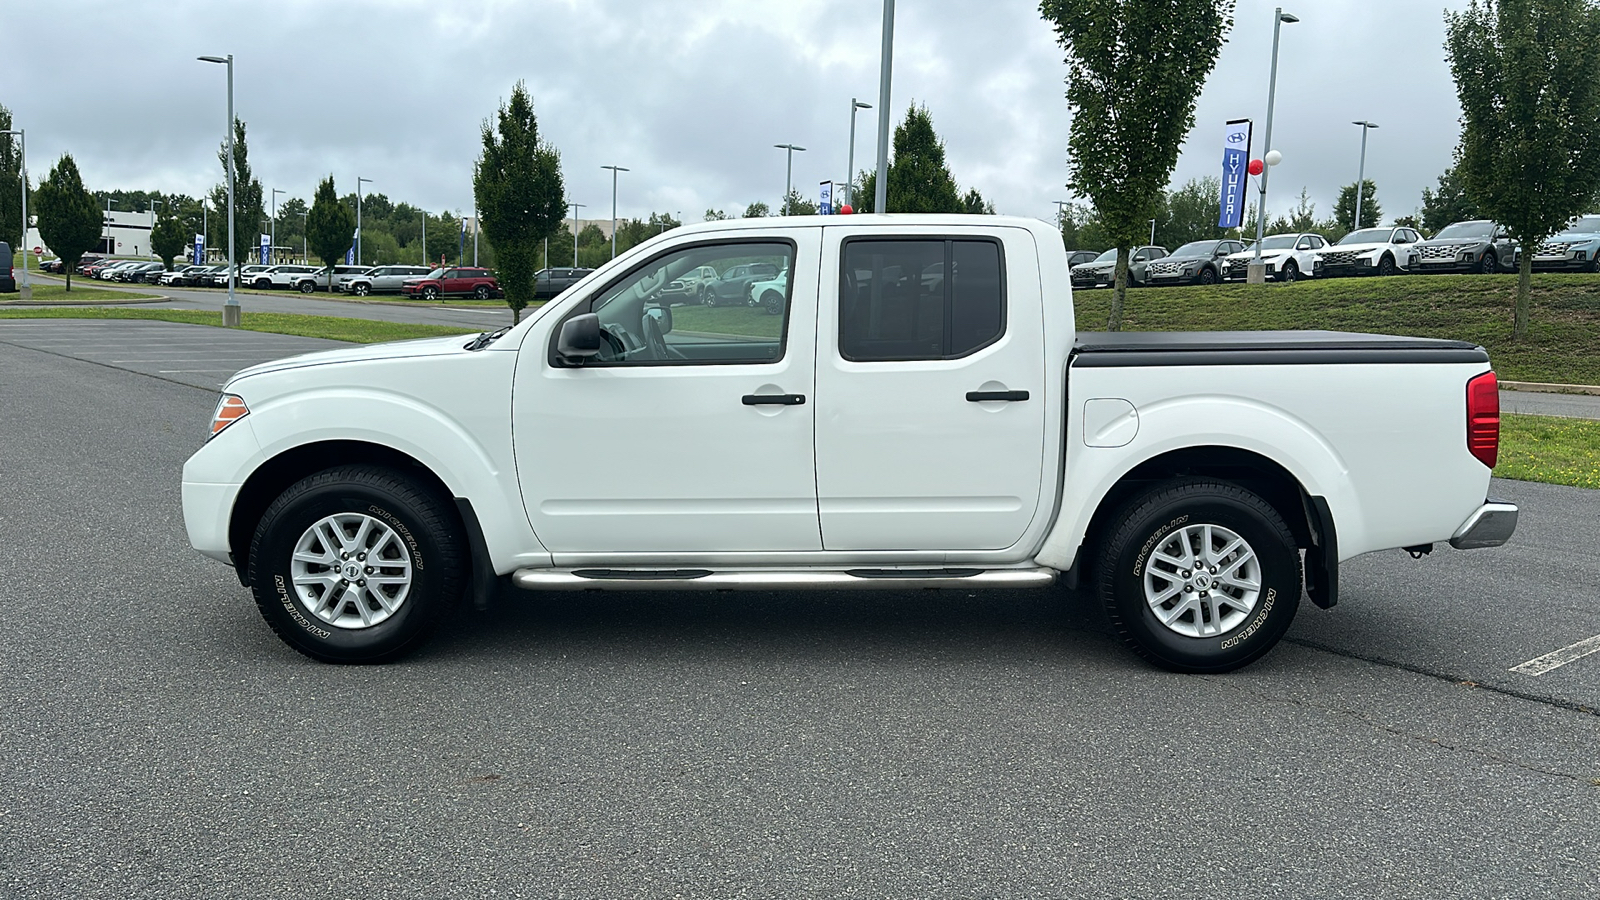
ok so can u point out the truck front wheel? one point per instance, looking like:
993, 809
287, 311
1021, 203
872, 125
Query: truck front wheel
1199, 576
356, 564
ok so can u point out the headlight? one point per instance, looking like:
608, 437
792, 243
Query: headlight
230, 409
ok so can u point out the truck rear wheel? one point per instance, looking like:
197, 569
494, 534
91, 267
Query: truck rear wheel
1200, 576
357, 564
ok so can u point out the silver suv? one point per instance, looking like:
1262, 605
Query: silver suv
318, 280
280, 276
382, 280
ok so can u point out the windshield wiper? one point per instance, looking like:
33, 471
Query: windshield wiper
485, 339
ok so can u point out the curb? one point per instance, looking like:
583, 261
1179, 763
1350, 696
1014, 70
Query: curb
1536, 387
87, 304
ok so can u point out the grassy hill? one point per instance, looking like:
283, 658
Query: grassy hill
1563, 344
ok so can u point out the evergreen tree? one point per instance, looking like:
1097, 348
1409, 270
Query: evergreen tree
520, 196
1449, 204
248, 210
1371, 212
69, 217
919, 178
167, 239
11, 230
1135, 69
757, 210
330, 227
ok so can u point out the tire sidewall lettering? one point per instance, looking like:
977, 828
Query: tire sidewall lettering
1155, 541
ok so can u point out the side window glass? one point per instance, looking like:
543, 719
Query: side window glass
649, 317
919, 299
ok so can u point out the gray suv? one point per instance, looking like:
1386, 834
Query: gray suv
1476, 246
382, 280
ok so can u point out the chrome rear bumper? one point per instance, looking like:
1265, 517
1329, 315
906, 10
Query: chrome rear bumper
1489, 526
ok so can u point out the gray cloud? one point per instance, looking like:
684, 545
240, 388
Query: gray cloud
689, 95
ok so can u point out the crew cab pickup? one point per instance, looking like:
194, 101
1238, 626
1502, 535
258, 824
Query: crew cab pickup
921, 414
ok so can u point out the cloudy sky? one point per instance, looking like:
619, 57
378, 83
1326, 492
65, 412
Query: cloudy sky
688, 94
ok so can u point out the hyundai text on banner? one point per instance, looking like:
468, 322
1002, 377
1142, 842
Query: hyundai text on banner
199, 249
1235, 172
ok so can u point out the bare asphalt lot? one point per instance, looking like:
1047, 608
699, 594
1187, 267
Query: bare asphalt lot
159, 741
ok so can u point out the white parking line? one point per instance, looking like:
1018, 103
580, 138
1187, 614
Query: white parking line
1560, 657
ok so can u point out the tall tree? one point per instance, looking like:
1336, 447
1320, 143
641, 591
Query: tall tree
1528, 76
1134, 71
715, 215
69, 217
1449, 204
167, 239
1191, 213
330, 227
800, 206
11, 225
248, 210
1371, 212
919, 177
757, 210
520, 196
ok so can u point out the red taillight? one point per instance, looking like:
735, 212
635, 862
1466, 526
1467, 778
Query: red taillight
1483, 418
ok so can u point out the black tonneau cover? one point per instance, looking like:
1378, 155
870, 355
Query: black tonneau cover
1264, 348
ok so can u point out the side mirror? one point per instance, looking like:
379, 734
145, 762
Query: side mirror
662, 316
579, 339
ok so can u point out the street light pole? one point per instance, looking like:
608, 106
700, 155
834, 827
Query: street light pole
614, 171
880, 201
109, 245
359, 181
230, 310
275, 193
26, 292
575, 208
424, 235
788, 179
1257, 271
850, 183
305, 239
1361, 177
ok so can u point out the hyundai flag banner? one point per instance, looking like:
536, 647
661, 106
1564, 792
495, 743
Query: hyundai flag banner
266, 249
350, 256
827, 199
1235, 173
199, 249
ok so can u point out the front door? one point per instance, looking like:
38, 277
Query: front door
930, 391
692, 433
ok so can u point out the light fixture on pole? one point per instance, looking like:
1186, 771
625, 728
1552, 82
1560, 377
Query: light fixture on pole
880, 202
1361, 176
230, 311
788, 181
26, 291
849, 185
1257, 270
275, 193
614, 171
359, 182
575, 207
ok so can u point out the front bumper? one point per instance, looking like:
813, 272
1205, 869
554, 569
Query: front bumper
1490, 525
207, 512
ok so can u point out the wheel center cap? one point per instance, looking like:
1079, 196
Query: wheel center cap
351, 571
1202, 580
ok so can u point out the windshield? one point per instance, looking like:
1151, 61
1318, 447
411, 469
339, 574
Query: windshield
436, 273
1585, 225
1108, 256
1279, 242
1367, 236
1197, 248
1466, 230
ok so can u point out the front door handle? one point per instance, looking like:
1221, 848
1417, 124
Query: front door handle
1007, 396
774, 399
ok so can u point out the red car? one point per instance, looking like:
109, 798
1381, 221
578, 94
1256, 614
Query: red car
462, 281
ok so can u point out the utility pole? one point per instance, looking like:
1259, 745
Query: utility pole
275, 193
575, 208
230, 311
886, 65
849, 184
788, 180
614, 171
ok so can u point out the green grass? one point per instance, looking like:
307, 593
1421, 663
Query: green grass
359, 331
55, 292
740, 321
1549, 449
1562, 347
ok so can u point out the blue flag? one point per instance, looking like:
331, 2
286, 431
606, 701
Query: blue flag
1235, 172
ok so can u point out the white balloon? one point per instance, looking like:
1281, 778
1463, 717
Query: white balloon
1273, 157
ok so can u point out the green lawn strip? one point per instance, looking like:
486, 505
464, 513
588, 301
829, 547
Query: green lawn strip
48, 292
737, 321
1550, 449
1563, 345
359, 331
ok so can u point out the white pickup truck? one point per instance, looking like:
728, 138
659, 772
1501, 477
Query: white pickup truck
922, 414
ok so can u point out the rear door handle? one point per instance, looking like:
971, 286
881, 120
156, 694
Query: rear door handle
774, 399
1008, 396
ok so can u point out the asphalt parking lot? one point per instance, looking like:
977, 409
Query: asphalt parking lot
161, 742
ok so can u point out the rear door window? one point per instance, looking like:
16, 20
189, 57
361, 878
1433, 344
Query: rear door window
919, 298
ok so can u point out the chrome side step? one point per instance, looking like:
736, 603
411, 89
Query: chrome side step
594, 579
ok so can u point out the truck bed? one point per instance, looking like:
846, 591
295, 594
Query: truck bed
1244, 348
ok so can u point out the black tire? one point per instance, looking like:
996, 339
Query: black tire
262, 284
710, 300
430, 293
361, 289
772, 303
482, 293
307, 287
1490, 264
1128, 558
423, 520
1290, 272
1207, 275
1386, 266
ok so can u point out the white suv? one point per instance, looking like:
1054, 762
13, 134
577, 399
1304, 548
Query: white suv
279, 276
1369, 251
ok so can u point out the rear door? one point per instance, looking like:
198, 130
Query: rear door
930, 389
